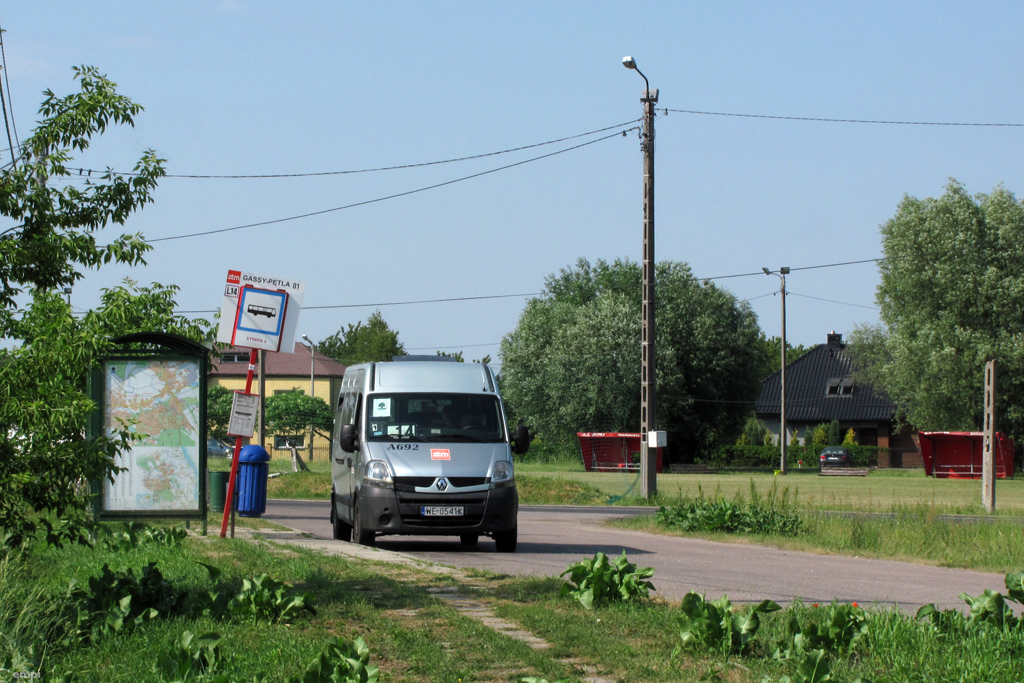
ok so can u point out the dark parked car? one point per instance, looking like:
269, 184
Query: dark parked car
836, 456
218, 449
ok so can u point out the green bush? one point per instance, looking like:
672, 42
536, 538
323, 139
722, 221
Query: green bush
742, 457
767, 457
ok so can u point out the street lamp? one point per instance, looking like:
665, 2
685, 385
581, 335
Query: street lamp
783, 272
312, 388
648, 374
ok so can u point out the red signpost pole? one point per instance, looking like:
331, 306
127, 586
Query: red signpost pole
229, 508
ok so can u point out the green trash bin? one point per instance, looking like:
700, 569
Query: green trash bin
218, 490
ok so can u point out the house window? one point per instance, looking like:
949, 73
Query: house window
839, 387
286, 442
235, 358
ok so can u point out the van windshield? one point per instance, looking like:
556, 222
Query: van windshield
434, 417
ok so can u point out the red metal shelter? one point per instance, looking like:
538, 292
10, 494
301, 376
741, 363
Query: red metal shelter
611, 451
957, 455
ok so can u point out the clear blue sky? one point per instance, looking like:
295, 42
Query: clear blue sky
245, 87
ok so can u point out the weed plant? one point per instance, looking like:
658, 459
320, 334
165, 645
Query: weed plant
769, 515
599, 580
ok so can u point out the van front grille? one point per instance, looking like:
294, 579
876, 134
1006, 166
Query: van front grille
409, 484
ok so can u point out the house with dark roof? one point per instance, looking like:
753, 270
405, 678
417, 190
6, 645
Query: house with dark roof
820, 387
301, 371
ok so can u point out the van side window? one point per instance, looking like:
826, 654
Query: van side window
357, 418
348, 409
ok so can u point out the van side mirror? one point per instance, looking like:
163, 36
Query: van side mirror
521, 440
347, 441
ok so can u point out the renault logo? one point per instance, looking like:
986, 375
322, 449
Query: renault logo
442, 484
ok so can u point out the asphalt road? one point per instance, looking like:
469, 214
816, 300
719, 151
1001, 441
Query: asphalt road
552, 537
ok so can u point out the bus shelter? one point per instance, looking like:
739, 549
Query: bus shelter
958, 455
612, 451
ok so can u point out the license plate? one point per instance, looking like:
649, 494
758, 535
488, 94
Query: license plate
442, 511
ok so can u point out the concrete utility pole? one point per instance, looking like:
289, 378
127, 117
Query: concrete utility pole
648, 370
783, 272
988, 459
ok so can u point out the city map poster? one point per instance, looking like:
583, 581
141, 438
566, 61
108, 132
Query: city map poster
158, 399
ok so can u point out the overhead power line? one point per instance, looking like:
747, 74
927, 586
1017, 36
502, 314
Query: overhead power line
376, 169
524, 294
394, 303
824, 120
422, 301
457, 346
392, 196
826, 265
832, 301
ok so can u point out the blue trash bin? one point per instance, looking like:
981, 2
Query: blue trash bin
252, 481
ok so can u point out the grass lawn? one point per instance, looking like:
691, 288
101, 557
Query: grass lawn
881, 491
412, 634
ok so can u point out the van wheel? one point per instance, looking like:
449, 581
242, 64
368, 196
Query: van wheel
469, 539
342, 531
505, 541
361, 535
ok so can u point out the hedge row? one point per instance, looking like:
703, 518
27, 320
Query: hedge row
767, 457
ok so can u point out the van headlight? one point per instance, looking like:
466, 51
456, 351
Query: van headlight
377, 474
502, 475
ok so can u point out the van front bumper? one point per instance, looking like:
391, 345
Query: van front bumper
485, 512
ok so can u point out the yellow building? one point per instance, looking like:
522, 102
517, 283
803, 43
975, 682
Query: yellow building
285, 372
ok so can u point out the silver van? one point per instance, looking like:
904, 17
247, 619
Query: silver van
421, 446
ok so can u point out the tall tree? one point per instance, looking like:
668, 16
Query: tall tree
573, 361
951, 298
294, 412
218, 411
44, 458
360, 343
771, 350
